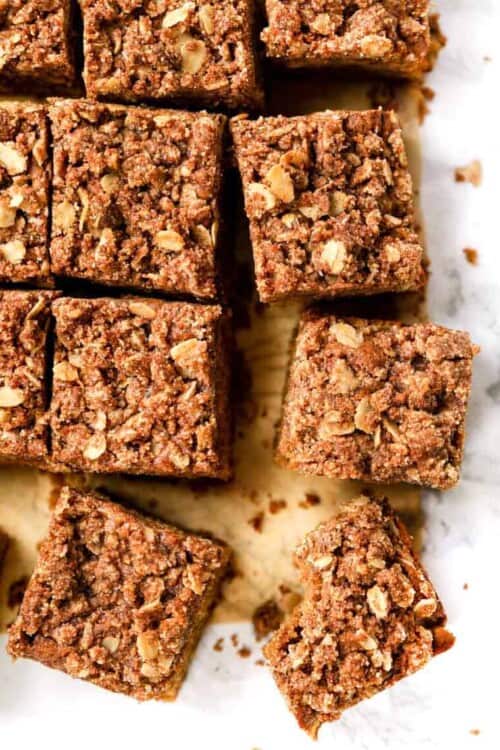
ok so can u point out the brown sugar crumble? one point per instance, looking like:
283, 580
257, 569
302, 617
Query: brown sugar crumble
370, 615
376, 400
380, 36
219, 645
471, 173
24, 320
137, 197
330, 204
471, 256
117, 598
141, 386
24, 193
244, 652
35, 45
197, 52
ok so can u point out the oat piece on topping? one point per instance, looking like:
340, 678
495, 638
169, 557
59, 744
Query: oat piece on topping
330, 204
136, 197
199, 52
35, 46
381, 36
24, 193
377, 401
24, 319
370, 615
141, 387
117, 598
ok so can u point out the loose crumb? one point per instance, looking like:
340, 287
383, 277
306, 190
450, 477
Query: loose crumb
471, 173
244, 652
235, 640
310, 500
276, 505
267, 618
471, 256
219, 644
257, 522
260, 663
475, 732
16, 592
466, 587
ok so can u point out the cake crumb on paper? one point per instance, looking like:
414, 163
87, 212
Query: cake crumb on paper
257, 522
471, 256
471, 173
310, 500
276, 505
267, 618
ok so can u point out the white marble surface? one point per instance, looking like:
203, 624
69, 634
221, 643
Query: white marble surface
229, 703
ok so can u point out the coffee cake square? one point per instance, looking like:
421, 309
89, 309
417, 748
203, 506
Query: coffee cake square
35, 45
136, 197
197, 52
24, 193
141, 387
370, 615
117, 598
376, 400
24, 321
380, 36
329, 201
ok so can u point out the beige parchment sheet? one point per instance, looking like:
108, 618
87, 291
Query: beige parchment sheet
232, 511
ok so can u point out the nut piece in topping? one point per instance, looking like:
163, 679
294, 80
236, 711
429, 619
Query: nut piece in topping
141, 386
139, 218
105, 633
345, 642
200, 53
24, 319
377, 401
329, 201
383, 36
24, 194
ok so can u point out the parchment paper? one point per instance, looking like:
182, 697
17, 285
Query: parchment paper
240, 512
